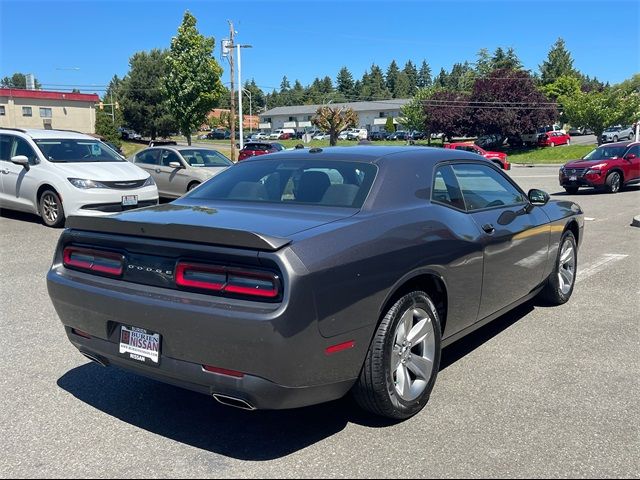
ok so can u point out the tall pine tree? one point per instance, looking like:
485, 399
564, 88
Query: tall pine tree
558, 63
424, 75
412, 77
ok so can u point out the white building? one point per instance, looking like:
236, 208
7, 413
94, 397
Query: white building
372, 115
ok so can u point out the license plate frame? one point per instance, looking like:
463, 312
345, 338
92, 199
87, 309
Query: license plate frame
133, 342
573, 178
129, 200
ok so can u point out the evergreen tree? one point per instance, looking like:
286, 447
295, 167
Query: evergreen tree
402, 86
505, 60
424, 75
558, 63
484, 62
374, 88
284, 84
441, 80
392, 76
412, 76
344, 82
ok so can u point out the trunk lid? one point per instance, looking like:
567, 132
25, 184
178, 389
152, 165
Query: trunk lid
254, 226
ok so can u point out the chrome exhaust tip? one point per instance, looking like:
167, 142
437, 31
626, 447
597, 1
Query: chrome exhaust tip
96, 359
233, 402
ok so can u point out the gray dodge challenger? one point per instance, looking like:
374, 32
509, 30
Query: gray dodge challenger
298, 277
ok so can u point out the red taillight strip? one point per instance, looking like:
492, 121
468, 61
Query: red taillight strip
222, 371
340, 347
182, 281
91, 266
227, 287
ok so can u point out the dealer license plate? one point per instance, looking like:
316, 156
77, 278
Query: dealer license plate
573, 178
129, 200
140, 345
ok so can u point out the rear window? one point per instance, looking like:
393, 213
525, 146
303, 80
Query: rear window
331, 184
205, 158
260, 147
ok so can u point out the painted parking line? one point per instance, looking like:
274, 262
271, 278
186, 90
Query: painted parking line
601, 264
535, 176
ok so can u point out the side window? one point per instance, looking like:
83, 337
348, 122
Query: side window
150, 157
483, 187
21, 147
635, 150
445, 188
169, 156
5, 148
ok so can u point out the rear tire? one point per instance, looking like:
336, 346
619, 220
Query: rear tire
192, 185
562, 280
51, 209
615, 138
613, 182
571, 190
403, 360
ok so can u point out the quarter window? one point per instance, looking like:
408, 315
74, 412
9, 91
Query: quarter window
45, 112
483, 187
26, 111
446, 189
150, 157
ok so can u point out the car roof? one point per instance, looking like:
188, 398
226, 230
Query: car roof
368, 154
40, 134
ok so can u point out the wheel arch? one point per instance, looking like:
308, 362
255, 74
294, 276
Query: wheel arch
429, 281
41, 189
573, 227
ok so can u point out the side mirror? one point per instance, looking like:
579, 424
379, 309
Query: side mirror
630, 156
538, 197
175, 165
21, 160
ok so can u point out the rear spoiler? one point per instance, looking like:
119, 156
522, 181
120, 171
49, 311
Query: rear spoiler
171, 231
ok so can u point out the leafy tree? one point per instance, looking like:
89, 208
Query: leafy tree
508, 103
110, 118
192, 80
344, 83
389, 126
333, 120
599, 110
566, 85
424, 75
413, 114
558, 63
106, 128
446, 113
18, 80
392, 76
412, 75
143, 102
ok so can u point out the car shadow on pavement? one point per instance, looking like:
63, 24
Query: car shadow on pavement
25, 217
593, 191
197, 420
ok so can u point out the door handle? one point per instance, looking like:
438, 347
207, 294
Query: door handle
488, 228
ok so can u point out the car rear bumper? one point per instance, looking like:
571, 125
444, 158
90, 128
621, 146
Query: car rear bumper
254, 392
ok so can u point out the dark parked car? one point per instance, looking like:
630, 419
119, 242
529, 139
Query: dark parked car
378, 136
399, 135
294, 278
609, 167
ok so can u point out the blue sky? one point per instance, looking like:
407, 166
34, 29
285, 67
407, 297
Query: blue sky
87, 42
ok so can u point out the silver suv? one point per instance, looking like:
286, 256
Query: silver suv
618, 132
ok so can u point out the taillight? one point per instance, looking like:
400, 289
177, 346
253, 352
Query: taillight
98, 261
221, 279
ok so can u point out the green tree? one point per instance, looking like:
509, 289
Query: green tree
144, 105
411, 72
110, 117
333, 120
106, 128
192, 80
441, 81
257, 98
566, 85
392, 76
505, 60
424, 75
413, 114
461, 78
598, 110
402, 87
344, 83
373, 85
284, 84
484, 64
558, 63
18, 80
389, 126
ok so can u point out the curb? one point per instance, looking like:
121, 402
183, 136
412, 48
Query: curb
636, 221
532, 165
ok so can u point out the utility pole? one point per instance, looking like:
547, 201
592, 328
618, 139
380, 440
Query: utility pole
232, 114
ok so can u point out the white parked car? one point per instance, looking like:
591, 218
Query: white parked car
262, 136
321, 136
357, 134
532, 138
55, 174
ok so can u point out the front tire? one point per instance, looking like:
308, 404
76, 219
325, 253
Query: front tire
51, 209
403, 360
560, 283
613, 182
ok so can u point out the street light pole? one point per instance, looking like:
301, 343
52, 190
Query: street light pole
248, 92
241, 117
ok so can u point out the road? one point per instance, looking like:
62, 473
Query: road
540, 392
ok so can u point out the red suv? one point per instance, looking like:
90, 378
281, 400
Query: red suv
551, 139
258, 148
498, 158
609, 167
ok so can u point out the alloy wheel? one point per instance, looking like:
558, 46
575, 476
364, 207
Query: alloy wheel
413, 354
50, 208
566, 267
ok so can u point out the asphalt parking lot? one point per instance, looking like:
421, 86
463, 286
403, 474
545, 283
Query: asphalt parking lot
540, 392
